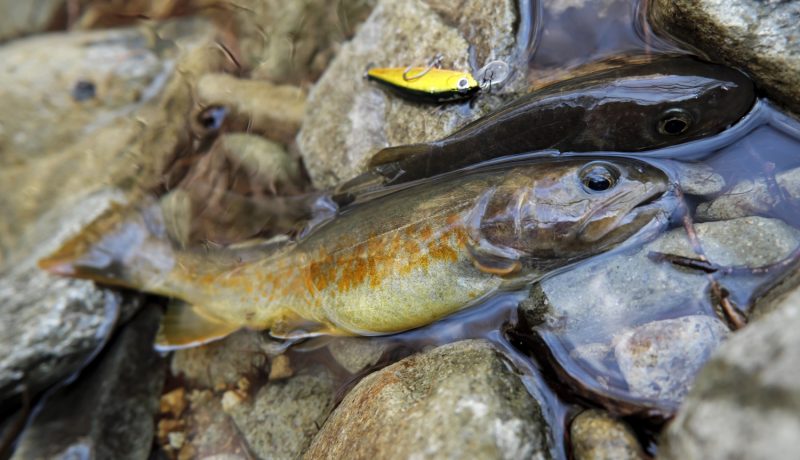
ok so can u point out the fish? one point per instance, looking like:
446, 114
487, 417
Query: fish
633, 108
394, 263
426, 84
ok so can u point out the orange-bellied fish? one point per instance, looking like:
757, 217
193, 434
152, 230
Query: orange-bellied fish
396, 262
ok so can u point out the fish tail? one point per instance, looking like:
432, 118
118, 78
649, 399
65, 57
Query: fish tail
125, 246
400, 152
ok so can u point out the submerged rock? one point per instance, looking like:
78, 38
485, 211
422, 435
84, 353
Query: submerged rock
108, 411
283, 417
745, 402
759, 36
608, 302
750, 197
595, 435
459, 400
660, 359
349, 119
355, 354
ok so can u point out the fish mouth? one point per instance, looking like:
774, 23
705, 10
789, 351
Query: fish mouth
651, 203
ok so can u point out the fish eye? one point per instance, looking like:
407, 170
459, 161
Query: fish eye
674, 122
599, 177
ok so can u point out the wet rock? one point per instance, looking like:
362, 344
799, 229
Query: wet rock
582, 311
23, 18
223, 363
660, 359
760, 37
108, 412
595, 435
259, 106
745, 402
356, 354
205, 429
291, 42
751, 197
283, 417
51, 328
459, 400
698, 179
349, 119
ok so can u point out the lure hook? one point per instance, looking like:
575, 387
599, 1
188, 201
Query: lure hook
434, 62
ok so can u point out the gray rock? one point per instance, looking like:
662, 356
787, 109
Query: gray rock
349, 119
108, 412
355, 354
760, 37
745, 402
750, 197
584, 309
23, 18
660, 359
283, 417
223, 363
461, 400
595, 435
51, 329
698, 179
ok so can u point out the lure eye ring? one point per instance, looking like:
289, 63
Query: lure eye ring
462, 84
598, 177
674, 122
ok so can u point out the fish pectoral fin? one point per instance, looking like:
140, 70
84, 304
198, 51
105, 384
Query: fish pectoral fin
293, 326
491, 259
185, 326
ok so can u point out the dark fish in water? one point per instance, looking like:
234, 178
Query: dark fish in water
627, 109
394, 263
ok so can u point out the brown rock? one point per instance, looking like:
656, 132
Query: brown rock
460, 400
595, 435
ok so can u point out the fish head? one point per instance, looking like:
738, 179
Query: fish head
667, 102
574, 208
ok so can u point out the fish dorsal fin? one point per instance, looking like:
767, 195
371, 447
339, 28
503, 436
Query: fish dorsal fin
185, 326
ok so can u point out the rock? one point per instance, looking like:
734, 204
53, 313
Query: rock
123, 152
698, 179
57, 88
745, 402
355, 354
280, 368
595, 435
660, 359
580, 312
291, 42
283, 417
750, 197
257, 106
24, 18
349, 119
108, 412
461, 400
206, 430
52, 327
760, 37
222, 364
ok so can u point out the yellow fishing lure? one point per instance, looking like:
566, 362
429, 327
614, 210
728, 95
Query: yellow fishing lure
425, 83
